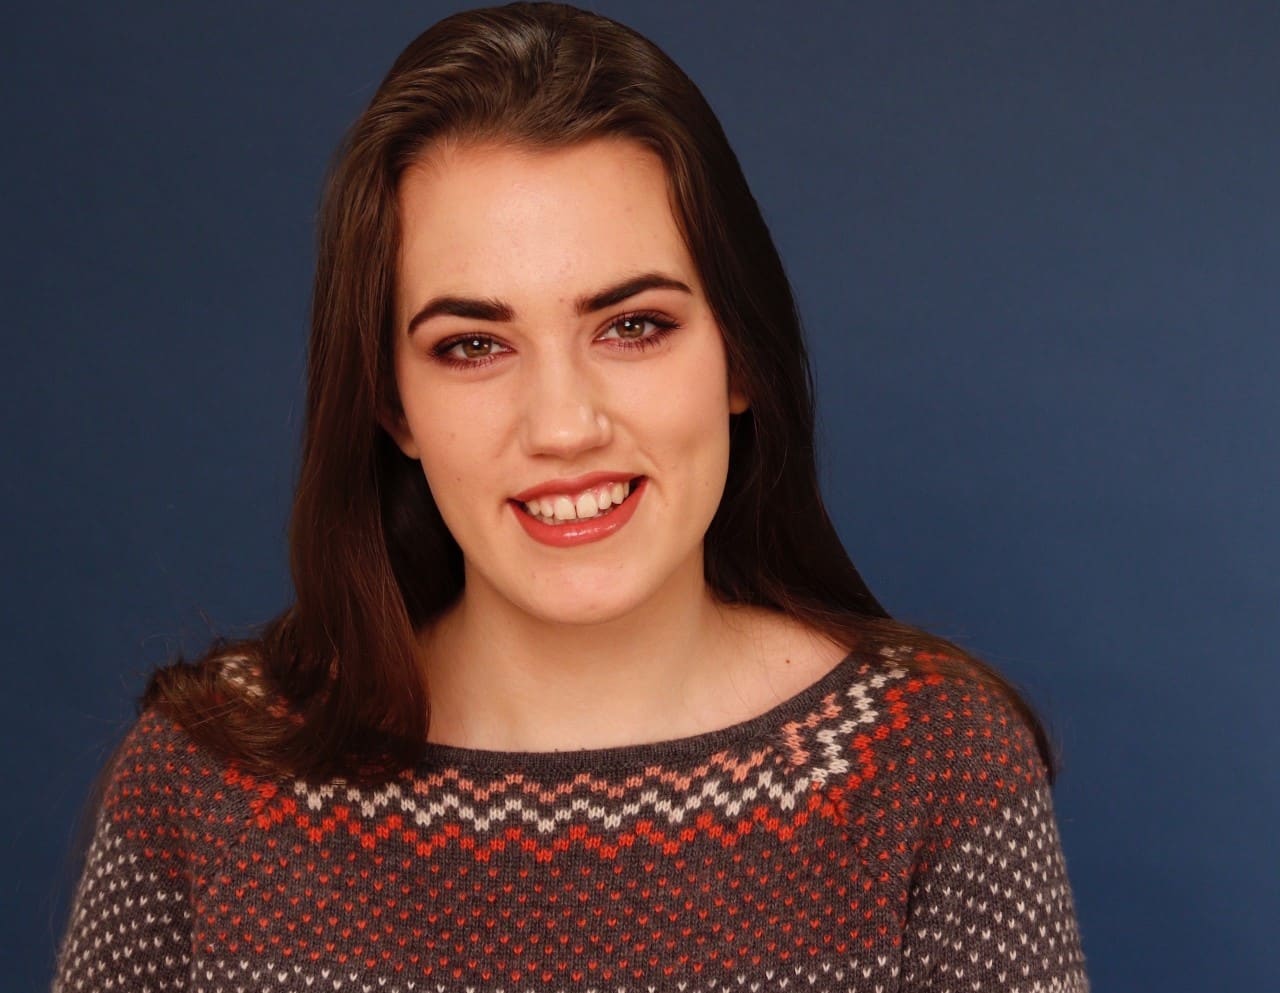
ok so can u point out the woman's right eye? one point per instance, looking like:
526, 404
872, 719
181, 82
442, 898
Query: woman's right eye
473, 349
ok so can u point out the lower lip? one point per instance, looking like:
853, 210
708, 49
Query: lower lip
580, 532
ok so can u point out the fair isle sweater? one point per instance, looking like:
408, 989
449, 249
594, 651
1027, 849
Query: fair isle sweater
885, 829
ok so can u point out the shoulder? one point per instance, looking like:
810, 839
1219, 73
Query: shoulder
163, 779
161, 783
955, 718
961, 807
933, 735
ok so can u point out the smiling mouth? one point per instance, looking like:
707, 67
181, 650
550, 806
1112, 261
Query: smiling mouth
590, 505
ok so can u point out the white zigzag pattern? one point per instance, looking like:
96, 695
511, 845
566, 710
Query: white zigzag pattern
674, 810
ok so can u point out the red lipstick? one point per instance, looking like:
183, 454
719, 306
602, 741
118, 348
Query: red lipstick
572, 533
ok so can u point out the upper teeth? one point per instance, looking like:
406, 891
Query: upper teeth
588, 503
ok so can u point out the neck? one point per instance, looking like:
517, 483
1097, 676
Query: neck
499, 678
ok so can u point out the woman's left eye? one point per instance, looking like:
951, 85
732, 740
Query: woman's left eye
632, 329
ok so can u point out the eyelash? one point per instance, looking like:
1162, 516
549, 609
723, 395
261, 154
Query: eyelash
663, 327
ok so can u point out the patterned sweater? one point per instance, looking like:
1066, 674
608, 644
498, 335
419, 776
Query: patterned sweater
882, 830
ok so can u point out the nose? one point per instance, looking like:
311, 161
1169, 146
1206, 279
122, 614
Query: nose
563, 410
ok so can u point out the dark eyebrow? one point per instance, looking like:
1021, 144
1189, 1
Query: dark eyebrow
496, 310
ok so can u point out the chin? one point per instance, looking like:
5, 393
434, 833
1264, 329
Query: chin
571, 607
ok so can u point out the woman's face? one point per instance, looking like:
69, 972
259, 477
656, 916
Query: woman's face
554, 350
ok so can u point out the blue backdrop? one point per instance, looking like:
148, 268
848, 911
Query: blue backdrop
1037, 250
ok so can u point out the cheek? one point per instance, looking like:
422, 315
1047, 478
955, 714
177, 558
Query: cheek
693, 377
450, 459
457, 433
700, 384
689, 412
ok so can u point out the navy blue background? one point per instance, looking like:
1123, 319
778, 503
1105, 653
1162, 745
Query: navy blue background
1036, 248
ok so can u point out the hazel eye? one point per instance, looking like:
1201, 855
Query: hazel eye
630, 328
474, 348
470, 349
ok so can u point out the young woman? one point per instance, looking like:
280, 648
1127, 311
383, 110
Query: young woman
580, 690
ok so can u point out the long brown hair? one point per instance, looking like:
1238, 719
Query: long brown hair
372, 560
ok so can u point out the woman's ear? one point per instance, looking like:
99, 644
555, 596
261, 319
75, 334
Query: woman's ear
393, 422
738, 402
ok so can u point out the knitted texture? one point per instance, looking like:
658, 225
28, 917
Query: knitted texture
885, 829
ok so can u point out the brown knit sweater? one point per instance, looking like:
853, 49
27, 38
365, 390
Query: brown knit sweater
882, 830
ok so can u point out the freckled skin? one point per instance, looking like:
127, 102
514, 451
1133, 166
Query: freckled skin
538, 229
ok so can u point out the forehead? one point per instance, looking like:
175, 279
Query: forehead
511, 219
